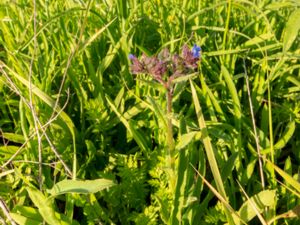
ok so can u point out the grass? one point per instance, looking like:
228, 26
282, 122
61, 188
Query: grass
83, 141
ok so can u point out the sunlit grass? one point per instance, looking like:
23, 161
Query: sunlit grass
71, 109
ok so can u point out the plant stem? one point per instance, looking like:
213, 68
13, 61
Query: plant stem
170, 140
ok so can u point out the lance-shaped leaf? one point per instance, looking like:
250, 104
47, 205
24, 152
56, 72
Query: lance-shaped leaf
80, 187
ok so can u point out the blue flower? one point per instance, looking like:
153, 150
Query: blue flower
190, 57
196, 51
131, 56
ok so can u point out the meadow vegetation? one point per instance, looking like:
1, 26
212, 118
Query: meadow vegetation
85, 139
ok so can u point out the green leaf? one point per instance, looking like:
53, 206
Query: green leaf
31, 216
209, 151
157, 110
130, 126
46, 209
28, 212
279, 5
185, 139
259, 39
291, 30
288, 179
261, 200
207, 143
234, 94
185, 78
112, 52
96, 35
249, 170
22, 220
47, 99
14, 137
288, 134
80, 187
152, 84
8, 150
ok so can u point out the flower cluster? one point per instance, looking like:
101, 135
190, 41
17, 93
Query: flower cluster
164, 64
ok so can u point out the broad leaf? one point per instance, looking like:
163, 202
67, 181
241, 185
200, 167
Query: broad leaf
261, 200
22, 220
46, 209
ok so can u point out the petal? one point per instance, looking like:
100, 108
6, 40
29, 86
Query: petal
196, 51
131, 56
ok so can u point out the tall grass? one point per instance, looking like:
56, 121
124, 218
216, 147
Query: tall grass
83, 141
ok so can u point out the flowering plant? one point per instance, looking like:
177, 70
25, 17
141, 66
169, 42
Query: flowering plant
165, 67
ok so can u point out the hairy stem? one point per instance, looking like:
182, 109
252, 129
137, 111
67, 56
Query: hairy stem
170, 140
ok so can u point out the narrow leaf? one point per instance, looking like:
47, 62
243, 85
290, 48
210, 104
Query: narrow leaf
291, 30
288, 179
207, 143
96, 34
221, 198
288, 134
157, 110
209, 151
185, 139
234, 94
47, 99
138, 137
80, 187
14, 137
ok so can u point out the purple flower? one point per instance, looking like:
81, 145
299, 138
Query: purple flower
165, 67
149, 61
155, 67
178, 64
196, 51
150, 65
158, 70
190, 60
136, 66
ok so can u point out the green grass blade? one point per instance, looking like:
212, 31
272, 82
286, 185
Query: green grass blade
180, 188
138, 137
209, 148
186, 139
224, 201
47, 99
95, 35
284, 139
234, 96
